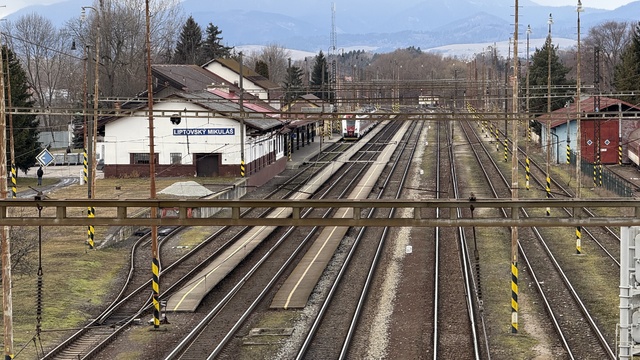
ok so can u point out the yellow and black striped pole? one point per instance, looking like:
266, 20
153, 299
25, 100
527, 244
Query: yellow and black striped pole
578, 240
155, 269
289, 147
506, 153
619, 152
568, 153
600, 173
595, 173
85, 167
527, 173
548, 193
14, 186
91, 213
514, 297
242, 168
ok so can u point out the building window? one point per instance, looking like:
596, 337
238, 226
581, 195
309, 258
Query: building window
176, 158
141, 158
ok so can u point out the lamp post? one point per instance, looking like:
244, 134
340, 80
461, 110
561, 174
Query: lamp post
93, 132
548, 188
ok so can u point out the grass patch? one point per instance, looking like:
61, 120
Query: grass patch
273, 319
76, 280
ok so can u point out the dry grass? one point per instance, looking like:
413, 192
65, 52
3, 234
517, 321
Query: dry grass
76, 280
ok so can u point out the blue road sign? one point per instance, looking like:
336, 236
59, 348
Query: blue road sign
45, 158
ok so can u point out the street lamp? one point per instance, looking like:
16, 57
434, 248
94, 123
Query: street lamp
91, 179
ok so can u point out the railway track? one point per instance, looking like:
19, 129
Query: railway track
134, 297
582, 338
250, 289
340, 313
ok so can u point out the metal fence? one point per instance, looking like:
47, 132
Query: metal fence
604, 178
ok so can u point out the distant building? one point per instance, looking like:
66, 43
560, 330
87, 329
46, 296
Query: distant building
605, 124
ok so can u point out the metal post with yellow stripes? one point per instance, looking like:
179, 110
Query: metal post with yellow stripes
527, 174
514, 297
578, 240
85, 161
506, 152
548, 193
155, 287
600, 173
619, 151
568, 153
289, 147
91, 213
14, 186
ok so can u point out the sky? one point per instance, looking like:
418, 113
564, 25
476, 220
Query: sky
13, 5
598, 4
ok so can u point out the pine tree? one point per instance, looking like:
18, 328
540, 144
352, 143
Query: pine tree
293, 84
78, 131
627, 73
189, 46
212, 47
538, 79
262, 68
320, 78
25, 127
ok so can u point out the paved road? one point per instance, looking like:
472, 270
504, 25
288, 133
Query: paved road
68, 175
64, 171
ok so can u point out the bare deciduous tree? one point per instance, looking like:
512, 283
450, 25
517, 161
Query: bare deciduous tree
24, 243
277, 59
122, 41
611, 38
41, 48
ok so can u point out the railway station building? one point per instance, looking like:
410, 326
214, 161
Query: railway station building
200, 129
605, 124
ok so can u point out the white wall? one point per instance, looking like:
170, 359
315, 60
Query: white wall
131, 135
234, 78
128, 135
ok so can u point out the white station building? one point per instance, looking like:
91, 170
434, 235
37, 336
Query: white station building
198, 129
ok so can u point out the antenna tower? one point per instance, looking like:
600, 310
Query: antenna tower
332, 48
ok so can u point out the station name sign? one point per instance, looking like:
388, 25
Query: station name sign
213, 131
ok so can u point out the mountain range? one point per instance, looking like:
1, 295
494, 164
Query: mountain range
306, 24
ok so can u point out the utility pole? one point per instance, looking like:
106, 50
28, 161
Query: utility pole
514, 180
548, 188
91, 179
527, 162
241, 103
7, 297
578, 139
13, 172
155, 261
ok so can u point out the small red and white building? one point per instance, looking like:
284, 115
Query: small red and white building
606, 126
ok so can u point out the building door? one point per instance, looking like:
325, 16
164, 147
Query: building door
207, 165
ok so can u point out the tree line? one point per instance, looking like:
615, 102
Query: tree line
55, 76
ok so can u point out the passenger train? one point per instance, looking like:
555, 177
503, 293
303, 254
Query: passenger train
355, 128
